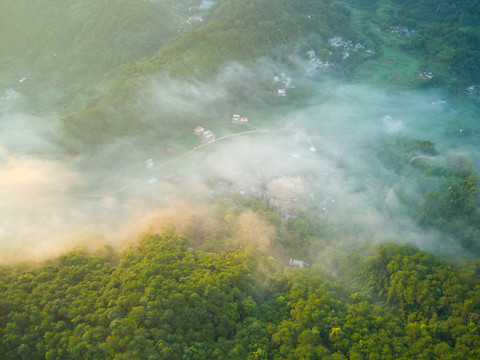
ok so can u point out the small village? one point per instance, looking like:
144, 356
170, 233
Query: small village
348, 46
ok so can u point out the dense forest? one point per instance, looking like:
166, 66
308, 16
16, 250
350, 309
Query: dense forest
162, 299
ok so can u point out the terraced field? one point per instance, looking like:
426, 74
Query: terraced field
393, 68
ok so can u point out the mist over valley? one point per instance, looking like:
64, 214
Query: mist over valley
181, 177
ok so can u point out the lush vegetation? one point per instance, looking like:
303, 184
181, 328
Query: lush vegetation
236, 31
223, 289
233, 32
441, 192
448, 32
163, 300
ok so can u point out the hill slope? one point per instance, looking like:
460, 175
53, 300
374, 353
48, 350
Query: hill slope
162, 300
69, 45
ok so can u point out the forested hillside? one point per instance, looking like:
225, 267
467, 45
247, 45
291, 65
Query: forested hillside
234, 31
451, 207
104, 34
447, 32
69, 46
163, 300
243, 32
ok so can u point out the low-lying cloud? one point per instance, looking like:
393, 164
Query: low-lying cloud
50, 203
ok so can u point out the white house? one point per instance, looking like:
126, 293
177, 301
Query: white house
297, 263
199, 130
205, 136
237, 119
208, 137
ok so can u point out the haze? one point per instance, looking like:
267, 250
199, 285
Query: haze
51, 202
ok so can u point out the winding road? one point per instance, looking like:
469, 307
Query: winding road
188, 153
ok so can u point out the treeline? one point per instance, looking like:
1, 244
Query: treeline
163, 300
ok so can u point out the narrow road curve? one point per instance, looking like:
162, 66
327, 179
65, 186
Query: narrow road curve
188, 153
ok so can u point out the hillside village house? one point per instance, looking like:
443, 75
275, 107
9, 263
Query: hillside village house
237, 119
205, 136
297, 263
208, 137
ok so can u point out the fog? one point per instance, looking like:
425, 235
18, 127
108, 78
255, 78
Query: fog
320, 157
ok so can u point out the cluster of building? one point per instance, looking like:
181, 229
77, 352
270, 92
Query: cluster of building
205, 136
194, 20
337, 41
426, 75
241, 120
314, 63
348, 45
286, 84
401, 30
